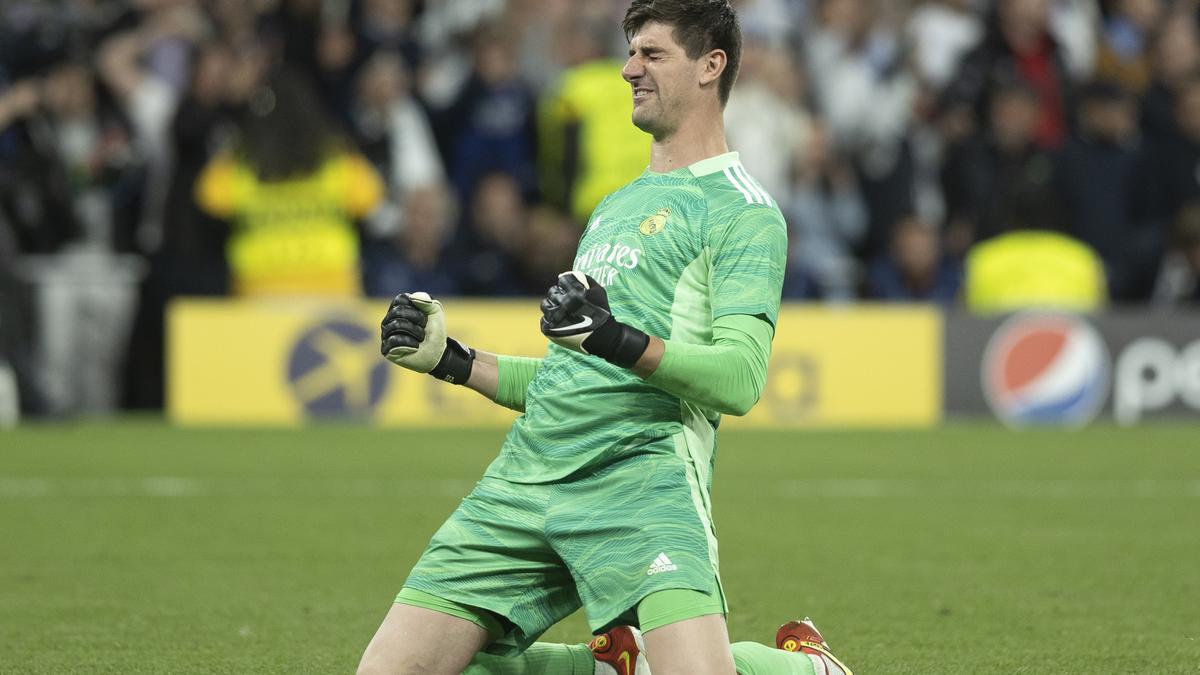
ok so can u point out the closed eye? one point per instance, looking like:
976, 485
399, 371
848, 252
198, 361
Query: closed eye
648, 52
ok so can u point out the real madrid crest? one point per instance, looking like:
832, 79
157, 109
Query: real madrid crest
655, 223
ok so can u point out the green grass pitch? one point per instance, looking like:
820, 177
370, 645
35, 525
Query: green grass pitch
134, 547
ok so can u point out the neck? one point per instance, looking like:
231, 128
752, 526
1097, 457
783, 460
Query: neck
702, 135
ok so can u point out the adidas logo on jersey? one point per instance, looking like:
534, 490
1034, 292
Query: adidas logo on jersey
661, 564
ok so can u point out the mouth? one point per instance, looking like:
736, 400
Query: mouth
641, 93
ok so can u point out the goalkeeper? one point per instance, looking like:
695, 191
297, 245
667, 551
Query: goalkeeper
600, 494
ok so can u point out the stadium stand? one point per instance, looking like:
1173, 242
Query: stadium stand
904, 135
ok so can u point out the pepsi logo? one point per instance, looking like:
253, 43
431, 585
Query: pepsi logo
1046, 369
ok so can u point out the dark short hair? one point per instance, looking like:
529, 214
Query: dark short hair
699, 26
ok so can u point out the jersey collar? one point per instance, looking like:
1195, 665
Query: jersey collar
713, 164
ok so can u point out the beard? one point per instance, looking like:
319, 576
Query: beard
651, 118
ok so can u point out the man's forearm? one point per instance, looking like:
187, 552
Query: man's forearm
485, 377
503, 379
727, 376
651, 358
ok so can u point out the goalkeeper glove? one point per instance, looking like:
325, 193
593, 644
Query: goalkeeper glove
413, 334
576, 315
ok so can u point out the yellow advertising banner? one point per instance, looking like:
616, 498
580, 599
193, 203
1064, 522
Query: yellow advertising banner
287, 362
863, 365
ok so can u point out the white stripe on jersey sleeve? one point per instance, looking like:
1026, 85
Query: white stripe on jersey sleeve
766, 195
740, 172
744, 191
749, 181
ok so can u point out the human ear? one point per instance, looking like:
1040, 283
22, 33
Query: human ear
712, 65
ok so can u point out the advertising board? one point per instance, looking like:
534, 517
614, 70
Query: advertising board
273, 363
1063, 369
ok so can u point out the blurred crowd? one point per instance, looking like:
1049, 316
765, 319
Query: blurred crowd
985, 153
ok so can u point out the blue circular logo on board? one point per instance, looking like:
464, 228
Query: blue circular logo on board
335, 370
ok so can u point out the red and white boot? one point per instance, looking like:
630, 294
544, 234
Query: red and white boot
620, 649
802, 636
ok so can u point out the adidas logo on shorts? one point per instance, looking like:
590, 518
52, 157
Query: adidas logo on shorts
661, 564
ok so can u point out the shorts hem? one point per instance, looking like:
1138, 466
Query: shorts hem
681, 604
479, 616
669, 619
684, 601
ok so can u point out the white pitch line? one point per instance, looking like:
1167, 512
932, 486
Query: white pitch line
24, 487
1019, 489
185, 486
171, 486
824, 488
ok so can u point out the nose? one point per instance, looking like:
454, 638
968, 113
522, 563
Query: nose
632, 70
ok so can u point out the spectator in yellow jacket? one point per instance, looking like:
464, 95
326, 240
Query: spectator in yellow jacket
586, 146
293, 192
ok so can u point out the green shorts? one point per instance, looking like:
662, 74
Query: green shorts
533, 554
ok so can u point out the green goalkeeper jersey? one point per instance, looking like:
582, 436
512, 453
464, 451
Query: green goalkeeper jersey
675, 251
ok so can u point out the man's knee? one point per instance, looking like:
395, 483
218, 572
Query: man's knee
413, 660
398, 663
693, 647
375, 665
414, 640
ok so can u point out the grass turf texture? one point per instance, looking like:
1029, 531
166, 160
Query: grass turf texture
134, 547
